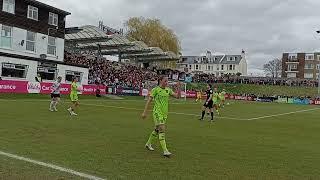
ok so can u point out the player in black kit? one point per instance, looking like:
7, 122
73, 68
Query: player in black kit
209, 103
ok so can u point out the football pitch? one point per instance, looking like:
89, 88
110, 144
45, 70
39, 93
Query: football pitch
248, 141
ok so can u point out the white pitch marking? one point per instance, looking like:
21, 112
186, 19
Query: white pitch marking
282, 114
186, 114
58, 168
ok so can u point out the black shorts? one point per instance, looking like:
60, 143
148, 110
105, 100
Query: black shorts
55, 95
209, 105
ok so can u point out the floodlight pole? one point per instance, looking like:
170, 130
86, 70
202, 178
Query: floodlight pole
319, 72
319, 81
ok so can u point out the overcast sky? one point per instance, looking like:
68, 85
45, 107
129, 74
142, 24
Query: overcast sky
263, 28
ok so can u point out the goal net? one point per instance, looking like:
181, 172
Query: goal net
149, 85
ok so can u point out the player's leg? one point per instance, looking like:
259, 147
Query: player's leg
51, 103
74, 105
204, 107
72, 108
223, 102
211, 110
162, 139
56, 101
216, 107
154, 134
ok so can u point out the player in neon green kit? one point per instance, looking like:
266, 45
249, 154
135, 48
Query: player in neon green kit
215, 99
222, 98
160, 95
74, 97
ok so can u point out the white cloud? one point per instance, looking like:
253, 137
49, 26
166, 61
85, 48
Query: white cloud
265, 29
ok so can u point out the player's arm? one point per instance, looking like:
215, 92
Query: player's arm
177, 94
144, 114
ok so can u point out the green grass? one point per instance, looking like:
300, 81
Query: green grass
107, 141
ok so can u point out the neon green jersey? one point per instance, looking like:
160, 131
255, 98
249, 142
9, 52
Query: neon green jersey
215, 97
161, 101
74, 88
222, 95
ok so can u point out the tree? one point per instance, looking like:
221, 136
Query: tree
238, 74
153, 33
273, 68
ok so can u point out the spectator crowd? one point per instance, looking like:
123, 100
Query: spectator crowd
103, 71
233, 79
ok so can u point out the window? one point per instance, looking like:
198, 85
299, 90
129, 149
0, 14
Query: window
308, 75
47, 71
33, 13
291, 75
218, 68
71, 74
209, 68
14, 70
308, 66
190, 66
31, 41
235, 58
222, 67
292, 58
53, 19
197, 67
309, 57
230, 67
234, 67
8, 6
318, 66
6, 36
216, 59
292, 67
230, 59
51, 45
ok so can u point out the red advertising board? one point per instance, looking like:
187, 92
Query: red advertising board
46, 88
13, 86
91, 89
317, 102
8, 86
191, 94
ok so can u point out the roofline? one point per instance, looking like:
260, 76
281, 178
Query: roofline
48, 6
40, 60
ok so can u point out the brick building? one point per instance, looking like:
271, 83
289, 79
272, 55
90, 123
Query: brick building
301, 65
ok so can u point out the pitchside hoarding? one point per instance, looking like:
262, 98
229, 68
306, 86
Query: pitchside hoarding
25, 87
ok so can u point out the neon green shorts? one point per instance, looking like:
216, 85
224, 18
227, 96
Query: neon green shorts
74, 97
159, 120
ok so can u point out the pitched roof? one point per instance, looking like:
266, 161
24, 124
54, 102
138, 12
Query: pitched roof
38, 3
217, 59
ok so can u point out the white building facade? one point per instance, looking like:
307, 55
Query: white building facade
32, 43
218, 65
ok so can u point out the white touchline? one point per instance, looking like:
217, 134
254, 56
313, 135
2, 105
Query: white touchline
51, 166
282, 114
127, 108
